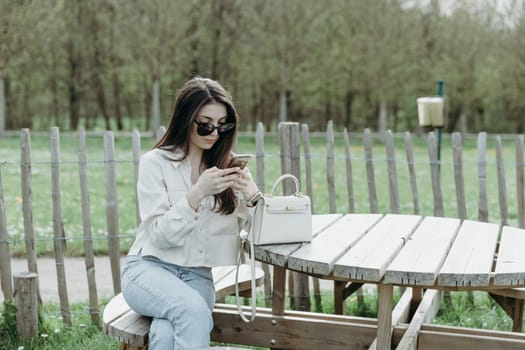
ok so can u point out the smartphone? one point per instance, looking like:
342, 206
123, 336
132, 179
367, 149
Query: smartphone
239, 160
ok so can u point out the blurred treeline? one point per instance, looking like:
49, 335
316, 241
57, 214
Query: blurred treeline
361, 63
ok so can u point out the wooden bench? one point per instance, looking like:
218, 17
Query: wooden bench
131, 329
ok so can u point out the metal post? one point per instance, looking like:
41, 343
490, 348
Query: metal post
441, 93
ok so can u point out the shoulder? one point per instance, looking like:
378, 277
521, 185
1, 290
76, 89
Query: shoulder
158, 156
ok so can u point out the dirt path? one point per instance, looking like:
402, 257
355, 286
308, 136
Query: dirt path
77, 286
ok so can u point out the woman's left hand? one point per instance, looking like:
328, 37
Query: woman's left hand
245, 184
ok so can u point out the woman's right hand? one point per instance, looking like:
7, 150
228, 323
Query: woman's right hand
210, 182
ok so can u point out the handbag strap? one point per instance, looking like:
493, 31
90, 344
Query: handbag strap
251, 259
287, 176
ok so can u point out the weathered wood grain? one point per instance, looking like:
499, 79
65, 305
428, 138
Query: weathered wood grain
112, 222
395, 206
502, 185
368, 258
5, 262
457, 151
411, 171
420, 260
319, 256
483, 209
469, 262
86, 229
349, 180
435, 175
510, 264
370, 177
58, 230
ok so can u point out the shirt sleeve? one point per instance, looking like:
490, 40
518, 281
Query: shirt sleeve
165, 223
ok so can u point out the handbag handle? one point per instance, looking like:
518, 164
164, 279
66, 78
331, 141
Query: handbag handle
252, 270
287, 176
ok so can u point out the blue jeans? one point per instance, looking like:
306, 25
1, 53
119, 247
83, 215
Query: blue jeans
180, 300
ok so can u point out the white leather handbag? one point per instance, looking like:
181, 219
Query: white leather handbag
276, 220
282, 219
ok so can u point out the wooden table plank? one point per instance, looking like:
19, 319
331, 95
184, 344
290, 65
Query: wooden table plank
319, 256
510, 266
368, 259
469, 262
419, 261
278, 254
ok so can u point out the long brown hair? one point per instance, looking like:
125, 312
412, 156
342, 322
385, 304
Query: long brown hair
195, 94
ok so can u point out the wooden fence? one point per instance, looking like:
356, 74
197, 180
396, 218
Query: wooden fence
292, 135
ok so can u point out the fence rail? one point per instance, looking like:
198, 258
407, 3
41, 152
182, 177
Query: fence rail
359, 182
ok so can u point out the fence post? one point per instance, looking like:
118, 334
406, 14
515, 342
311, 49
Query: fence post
58, 229
457, 150
5, 262
436, 180
86, 226
502, 185
412, 171
349, 182
26, 304
136, 160
259, 169
483, 209
305, 132
289, 141
330, 168
27, 202
370, 177
112, 209
395, 206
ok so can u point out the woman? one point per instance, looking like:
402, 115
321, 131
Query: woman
189, 202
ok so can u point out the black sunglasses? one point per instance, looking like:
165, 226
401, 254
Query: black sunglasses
204, 129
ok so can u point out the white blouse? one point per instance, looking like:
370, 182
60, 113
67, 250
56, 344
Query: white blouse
170, 229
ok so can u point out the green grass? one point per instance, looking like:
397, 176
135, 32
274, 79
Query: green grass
483, 314
53, 335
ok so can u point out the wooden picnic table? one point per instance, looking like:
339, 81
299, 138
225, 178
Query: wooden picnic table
425, 253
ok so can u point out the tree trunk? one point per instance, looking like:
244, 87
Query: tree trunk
382, 117
54, 92
2, 107
349, 100
463, 123
116, 96
283, 110
73, 89
101, 101
147, 103
218, 9
155, 106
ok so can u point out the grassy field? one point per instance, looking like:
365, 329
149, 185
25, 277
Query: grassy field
70, 187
